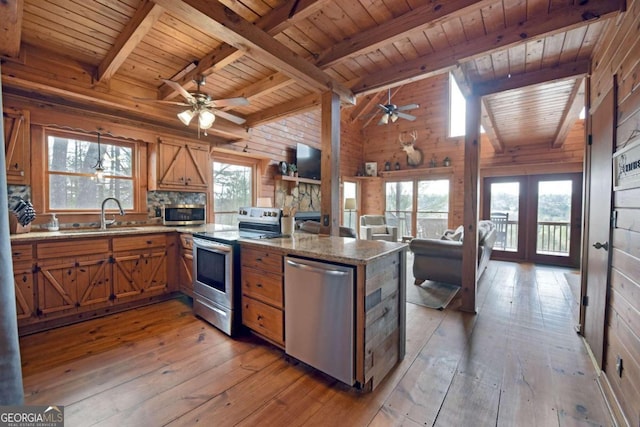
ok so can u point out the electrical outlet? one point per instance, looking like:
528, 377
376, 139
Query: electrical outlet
325, 220
158, 212
619, 366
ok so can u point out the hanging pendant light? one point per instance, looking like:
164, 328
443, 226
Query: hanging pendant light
99, 167
186, 116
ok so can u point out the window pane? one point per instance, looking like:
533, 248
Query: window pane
433, 208
77, 156
399, 206
232, 189
457, 109
75, 192
349, 215
505, 207
554, 217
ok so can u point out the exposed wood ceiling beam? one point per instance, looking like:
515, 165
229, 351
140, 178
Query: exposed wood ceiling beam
65, 94
365, 104
421, 18
488, 123
559, 72
10, 27
574, 105
561, 20
139, 25
298, 106
246, 37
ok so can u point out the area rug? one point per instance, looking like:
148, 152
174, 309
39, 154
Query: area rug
431, 294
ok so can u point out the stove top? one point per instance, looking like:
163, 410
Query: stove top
254, 223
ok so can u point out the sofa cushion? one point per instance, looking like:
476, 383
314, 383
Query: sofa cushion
378, 229
457, 235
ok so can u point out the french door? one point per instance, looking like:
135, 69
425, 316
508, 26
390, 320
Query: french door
538, 218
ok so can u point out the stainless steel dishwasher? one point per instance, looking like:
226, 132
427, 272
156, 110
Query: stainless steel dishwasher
319, 311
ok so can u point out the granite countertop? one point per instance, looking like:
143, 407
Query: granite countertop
330, 248
72, 233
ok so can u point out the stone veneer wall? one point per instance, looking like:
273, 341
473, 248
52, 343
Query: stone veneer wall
303, 197
155, 200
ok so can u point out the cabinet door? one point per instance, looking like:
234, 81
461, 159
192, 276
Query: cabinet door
140, 265
16, 136
57, 286
25, 295
183, 165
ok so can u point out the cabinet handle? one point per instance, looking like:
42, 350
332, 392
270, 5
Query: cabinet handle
258, 285
260, 317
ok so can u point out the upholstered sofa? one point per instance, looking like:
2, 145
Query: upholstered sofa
441, 259
313, 227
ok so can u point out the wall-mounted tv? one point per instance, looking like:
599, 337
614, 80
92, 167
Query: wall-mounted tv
308, 160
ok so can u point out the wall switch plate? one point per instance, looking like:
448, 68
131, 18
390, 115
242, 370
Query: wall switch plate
325, 220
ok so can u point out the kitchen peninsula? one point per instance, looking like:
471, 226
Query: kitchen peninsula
379, 292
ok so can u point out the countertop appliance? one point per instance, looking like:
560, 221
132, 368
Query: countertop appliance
319, 322
195, 214
216, 266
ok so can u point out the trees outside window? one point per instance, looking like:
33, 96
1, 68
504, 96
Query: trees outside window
71, 180
232, 189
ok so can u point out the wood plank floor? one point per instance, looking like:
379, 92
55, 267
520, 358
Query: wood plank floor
518, 362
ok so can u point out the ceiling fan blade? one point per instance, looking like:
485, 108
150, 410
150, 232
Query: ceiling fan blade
383, 108
408, 107
406, 116
229, 102
176, 86
231, 117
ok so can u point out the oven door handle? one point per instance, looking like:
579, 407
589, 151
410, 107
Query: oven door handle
212, 246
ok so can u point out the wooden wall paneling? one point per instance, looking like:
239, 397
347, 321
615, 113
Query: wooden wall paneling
330, 183
626, 393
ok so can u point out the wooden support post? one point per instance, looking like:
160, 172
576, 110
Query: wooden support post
330, 186
471, 204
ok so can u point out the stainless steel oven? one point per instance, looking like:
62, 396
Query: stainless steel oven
216, 266
213, 282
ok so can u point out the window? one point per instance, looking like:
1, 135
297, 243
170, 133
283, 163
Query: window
349, 202
70, 175
232, 189
457, 109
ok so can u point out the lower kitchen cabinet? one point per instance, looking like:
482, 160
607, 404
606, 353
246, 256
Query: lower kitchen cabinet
263, 293
22, 256
185, 264
72, 275
139, 265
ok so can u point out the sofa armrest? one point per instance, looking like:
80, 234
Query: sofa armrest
393, 230
436, 248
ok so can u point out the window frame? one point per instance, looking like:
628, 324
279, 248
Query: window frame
40, 174
236, 161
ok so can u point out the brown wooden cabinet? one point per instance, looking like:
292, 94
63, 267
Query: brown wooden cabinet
16, 137
183, 165
185, 269
263, 293
139, 265
72, 274
22, 255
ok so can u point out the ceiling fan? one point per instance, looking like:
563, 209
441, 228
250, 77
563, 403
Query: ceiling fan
202, 106
393, 112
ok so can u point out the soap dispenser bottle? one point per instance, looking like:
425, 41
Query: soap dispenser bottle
54, 225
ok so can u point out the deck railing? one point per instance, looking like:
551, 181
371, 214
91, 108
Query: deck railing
553, 237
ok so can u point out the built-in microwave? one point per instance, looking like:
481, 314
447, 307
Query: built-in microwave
184, 214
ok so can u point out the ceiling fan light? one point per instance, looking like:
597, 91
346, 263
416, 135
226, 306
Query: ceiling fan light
394, 117
186, 116
206, 119
385, 119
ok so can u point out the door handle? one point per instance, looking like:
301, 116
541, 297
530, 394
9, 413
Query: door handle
599, 245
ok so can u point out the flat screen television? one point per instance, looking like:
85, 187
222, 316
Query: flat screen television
308, 160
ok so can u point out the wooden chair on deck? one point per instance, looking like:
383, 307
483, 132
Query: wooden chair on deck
501, 220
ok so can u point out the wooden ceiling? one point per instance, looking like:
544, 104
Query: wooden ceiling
282, 54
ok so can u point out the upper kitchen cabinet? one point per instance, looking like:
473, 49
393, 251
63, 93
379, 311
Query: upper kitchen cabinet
179, 165
16, 136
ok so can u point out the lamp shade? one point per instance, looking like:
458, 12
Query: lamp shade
206, 119
186, 116
350, 203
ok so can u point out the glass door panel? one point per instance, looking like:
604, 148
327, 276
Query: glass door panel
432, 208
349, 202
505, 212
554, 218
399, 206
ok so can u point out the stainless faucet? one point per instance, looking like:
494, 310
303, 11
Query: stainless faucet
103, 220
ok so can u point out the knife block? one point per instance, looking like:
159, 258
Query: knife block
15, 227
